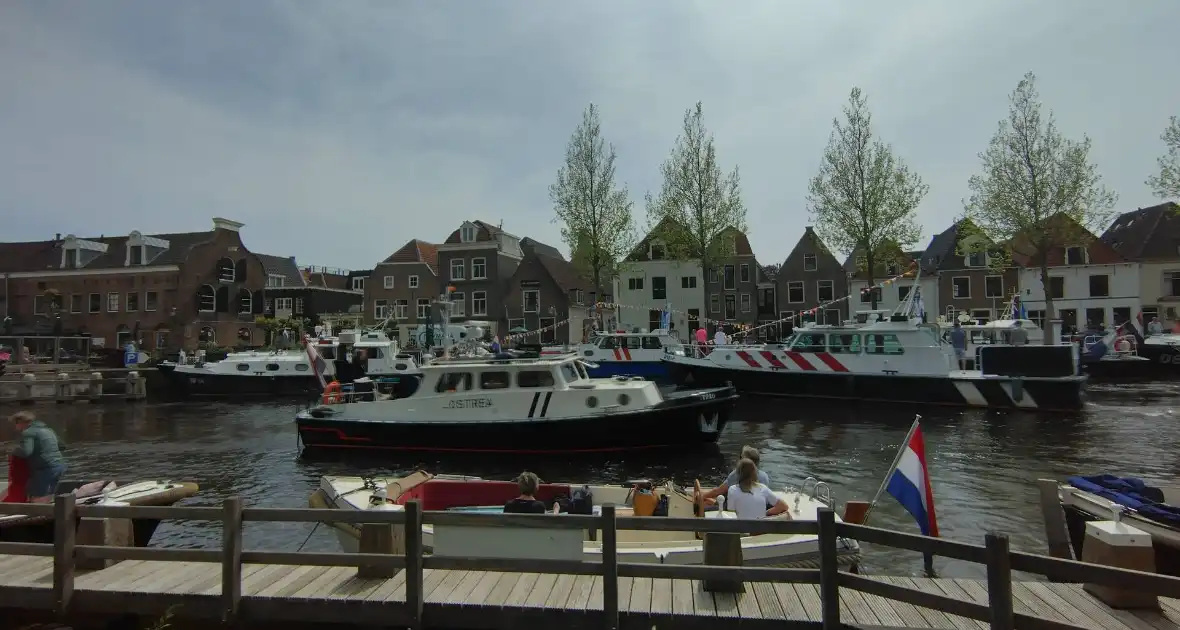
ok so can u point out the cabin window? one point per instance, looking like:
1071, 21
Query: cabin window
300, 367
633, 343
607, 343
453, 382
844, 343
272, 367
328, 353
373, 353
883, 344
809, 342
534, 378
569, 372
494, 380
582, 370
652, 343
243, 367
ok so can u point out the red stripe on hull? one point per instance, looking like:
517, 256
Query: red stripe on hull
772, 360
627, 353
340, 435
831, 362
745, 356
801, 361
618, 357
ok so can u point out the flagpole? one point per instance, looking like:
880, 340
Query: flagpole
892, 467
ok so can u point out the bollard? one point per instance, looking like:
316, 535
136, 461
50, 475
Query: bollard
63, 391
24, 391
95, 390
134, 386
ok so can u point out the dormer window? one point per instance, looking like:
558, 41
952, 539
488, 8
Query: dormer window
1076, 255
136, 255
977, 259
76, 252
142, 249
275, 281
358, 284
810, 263
657, 251
467, 233
71, 259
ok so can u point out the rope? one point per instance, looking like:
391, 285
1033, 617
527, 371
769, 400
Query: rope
308, 539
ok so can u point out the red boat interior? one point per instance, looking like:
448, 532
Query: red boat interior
444, 494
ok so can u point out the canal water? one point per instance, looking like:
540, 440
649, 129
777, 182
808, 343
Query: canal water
984, 464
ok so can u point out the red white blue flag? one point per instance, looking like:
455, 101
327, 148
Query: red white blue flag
909, 483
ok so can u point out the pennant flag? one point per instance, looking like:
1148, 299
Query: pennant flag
318, 365
909, 483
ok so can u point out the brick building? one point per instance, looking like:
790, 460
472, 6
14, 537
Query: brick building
168, 290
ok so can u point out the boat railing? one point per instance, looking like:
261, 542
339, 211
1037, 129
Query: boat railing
379, 558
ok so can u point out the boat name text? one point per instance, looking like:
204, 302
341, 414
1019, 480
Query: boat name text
469, 403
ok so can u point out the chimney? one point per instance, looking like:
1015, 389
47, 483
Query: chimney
226, 224
57, 237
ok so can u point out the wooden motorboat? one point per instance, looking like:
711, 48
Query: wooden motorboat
21, 528
1152, 509
472, 494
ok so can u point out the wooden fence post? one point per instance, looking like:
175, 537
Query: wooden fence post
610, 568
829, 570
231, 558
65, 517
999, 581
414, 563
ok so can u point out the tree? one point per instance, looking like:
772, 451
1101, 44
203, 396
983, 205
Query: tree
696, 205
1036, 187
1166, 183
863, 198
597, 224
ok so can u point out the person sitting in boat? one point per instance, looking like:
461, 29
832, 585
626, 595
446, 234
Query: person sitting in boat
748, 452
750, 499
38, 447
527, 502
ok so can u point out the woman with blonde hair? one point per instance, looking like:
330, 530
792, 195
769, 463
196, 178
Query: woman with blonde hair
38, 446
749, 498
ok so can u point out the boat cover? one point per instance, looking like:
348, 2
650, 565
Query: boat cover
1132, 493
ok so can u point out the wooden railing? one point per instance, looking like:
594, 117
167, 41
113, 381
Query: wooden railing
1000, 561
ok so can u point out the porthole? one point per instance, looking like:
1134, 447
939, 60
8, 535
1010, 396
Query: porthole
273, 367
401, 366
592, 402
624, 400
243, 367
300, 367
727, 357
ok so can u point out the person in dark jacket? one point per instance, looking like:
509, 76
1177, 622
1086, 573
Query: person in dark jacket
37, 444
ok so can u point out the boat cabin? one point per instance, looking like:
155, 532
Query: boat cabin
655, 340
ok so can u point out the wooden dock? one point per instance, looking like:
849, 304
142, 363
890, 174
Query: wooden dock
414, 590
65, 387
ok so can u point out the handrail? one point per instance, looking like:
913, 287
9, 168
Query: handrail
995, 554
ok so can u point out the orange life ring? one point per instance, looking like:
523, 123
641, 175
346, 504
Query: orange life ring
332, 393
1122, 344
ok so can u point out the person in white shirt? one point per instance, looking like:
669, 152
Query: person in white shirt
719, 338
749, 498
1155, 327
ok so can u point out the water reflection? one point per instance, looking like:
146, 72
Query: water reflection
984, 464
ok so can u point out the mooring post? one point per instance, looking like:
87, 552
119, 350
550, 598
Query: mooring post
999, 581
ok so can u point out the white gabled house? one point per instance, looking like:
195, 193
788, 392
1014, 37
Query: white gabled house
648, 281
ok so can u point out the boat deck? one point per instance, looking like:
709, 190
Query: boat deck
481, 599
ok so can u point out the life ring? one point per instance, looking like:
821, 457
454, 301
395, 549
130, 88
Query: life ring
1122, 344
332, 394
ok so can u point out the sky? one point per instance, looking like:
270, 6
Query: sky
337, 130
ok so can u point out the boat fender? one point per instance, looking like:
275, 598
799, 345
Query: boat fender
378, 497
582, 502
661, 506
1017, 389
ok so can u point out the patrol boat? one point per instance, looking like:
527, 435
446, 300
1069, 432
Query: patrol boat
622, 353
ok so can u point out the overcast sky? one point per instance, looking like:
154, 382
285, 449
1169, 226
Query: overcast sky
336, 130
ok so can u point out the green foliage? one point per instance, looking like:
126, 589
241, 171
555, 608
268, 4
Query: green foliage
1166, 183
863, 198
595, 215
696, 205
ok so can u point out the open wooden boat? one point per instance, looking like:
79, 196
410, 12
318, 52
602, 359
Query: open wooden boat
472, 494
21, 528
1153, 509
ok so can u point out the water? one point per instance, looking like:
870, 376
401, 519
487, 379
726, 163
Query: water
984, 464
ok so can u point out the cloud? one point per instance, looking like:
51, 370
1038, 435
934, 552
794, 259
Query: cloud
336, 131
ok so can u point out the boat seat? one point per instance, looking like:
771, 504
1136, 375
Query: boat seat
441, 494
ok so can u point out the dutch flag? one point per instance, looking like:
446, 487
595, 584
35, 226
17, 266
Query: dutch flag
909, 483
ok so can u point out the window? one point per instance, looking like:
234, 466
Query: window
531, 301
516, 323
458, 304
714, 277
479, 268
977, 259
730, 283
1038, 317
1057, 287
95, 302
656, 251
961, 287
832, 316
225, 270
688, 282
151, 301
694, 319
243, 367
457, 269
903, 292
1096, 317
284, 304
714, 303
654, 319
745, 302
981, 315
76, 303
634, 284
136, 254
1076, 255
651, 343
810, 263
381, 309
809, 342
843, 343
868, 295
575, 296
891, 269
453, 382
659, 288
883, 344
423, 308
298, 306
494, 380
467, 234
825, 291
39, 305
745, 272
358, 284
275, 281
534, 378
245, 303
387, 282
132, 302
795, 293
1122, 314
993, 287
1100, 286
730, 306
401, 309
413, 282
71, 258
113, 302
479, 303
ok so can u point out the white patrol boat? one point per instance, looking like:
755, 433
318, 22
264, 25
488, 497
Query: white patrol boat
523, 405
622, 353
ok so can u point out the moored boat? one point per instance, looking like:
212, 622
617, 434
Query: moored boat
1154, 510
622, 353
472, 494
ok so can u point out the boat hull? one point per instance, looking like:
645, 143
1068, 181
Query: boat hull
1166, 358
690, 418
183, 383
1113, 370
1045, 394
650, 370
